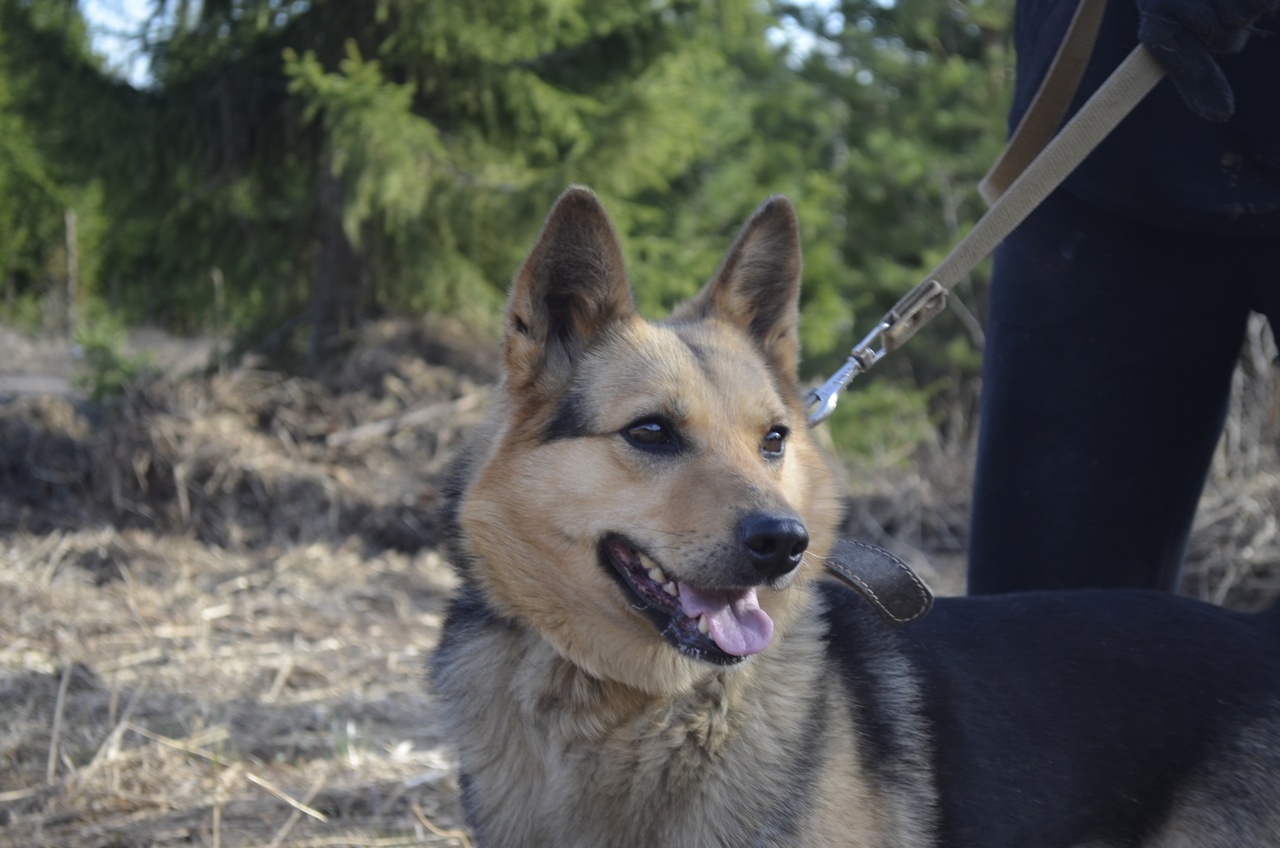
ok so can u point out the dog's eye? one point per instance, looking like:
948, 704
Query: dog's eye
653, 434
774, 442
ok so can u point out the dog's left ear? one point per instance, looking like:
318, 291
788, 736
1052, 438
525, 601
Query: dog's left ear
571, 289
757, 286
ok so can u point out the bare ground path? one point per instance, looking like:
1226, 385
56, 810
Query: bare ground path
49, 365
31, 366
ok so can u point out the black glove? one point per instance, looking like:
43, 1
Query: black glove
1184, 34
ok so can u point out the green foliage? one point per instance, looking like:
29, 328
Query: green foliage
336, 161
28, 312
61, 128
31, 199
110, 368
921, 87
384, 151
882, 422
341, 161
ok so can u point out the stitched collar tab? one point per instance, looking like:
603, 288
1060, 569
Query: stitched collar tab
888, 583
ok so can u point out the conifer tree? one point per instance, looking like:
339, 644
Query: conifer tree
332, 161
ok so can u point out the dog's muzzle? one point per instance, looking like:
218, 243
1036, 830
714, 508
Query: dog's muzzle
720, 625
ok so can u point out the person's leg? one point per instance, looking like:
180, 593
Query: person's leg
1110, 348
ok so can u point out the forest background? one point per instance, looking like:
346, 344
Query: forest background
284, 172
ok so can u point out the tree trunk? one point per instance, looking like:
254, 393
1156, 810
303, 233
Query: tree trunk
220, 346
73, 269
10, 292
335, 274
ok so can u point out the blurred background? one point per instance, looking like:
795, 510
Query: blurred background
282, 173
253, 255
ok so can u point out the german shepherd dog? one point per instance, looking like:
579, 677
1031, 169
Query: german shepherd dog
643, 652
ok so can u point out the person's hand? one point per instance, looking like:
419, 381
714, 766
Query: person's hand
1184, 34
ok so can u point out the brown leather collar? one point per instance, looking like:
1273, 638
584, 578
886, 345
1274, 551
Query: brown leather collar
885, 581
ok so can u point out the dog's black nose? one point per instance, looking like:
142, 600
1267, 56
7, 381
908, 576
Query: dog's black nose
775, 543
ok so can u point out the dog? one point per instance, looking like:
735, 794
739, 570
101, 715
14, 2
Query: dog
644, 651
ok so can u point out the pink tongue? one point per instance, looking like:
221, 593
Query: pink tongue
734, 618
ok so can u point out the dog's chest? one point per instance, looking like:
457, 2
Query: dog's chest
552, 757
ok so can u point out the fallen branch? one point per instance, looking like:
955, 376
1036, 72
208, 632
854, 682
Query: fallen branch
412, 418
297, 805
296, 815
59, 706
459, 835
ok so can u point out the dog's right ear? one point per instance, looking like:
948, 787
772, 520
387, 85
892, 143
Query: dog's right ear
570, 290
757, 286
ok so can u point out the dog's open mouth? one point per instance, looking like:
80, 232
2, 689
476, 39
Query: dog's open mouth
717, 625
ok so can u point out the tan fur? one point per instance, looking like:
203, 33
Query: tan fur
580, 609
640, 367
587, 713
577, 723
566, 759
1208, 812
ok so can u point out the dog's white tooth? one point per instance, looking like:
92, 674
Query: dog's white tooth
703, 627
671, 589
657, 575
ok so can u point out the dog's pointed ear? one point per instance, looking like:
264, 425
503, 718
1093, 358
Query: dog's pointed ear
570, 289
757, 286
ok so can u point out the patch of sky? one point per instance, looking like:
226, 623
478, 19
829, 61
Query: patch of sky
802, 35
810, 31
117, 29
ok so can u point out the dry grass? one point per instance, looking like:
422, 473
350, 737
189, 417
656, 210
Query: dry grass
161, 691
219, 599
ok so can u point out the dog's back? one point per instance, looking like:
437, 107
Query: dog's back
1092, 718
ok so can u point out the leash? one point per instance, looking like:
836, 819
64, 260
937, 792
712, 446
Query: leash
1033, 164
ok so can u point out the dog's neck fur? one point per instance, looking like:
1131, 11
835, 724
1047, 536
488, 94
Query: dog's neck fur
555, 756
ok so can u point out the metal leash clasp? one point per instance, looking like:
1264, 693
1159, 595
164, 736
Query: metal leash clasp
908, 315
821, 401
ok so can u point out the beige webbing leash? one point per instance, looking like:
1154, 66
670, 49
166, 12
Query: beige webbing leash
1045, 113
1033, 164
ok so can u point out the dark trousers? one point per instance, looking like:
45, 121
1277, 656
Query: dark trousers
1109, 354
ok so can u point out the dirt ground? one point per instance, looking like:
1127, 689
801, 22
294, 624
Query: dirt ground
219, 593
